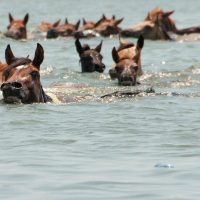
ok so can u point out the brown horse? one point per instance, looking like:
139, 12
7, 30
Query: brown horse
21, 78
88, 25
45, 26
91, 59
103, 27
17, 28
157, 26
107, 27
127, 60
64, 30
86, 30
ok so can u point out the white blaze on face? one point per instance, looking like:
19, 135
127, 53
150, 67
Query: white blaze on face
21, 67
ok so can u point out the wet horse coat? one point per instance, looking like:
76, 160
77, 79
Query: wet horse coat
91, 59
158, 26
21, 78
127, 60
17, 28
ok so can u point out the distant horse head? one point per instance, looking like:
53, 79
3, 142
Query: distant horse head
106, 27
21, 78
127, 60
17, 28
64, 30
91, 59
156, 26
45, 26
88, 25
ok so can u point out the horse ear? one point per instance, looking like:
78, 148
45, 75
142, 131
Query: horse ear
98, 47
66, 21
98, 22
56, 23
104, 17
117, 22
77, 24
168, 13
79, 48
84, 21
140, 42
39, 56
115, 55
113, 17
26, 19
9, 56
10, 17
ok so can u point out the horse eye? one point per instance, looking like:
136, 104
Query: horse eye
134, 68
87, 58
148, 28
21, 28
34, 74
118, 69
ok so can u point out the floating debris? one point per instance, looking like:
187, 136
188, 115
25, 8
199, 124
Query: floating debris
163, 165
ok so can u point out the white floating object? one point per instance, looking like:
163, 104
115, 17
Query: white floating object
163, 165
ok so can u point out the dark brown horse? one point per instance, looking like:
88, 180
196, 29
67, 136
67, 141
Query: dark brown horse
17, 28
65, 30
127, 60
21, 78
91, 59
157, 26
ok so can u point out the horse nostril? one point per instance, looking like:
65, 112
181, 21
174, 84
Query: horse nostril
2, 86
16, 85
127, 79
11, 85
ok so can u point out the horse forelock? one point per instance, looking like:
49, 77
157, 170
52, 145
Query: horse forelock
17, 62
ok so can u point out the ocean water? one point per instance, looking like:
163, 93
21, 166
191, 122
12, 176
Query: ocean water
142, 147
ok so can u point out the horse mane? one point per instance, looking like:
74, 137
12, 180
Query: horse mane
16, 62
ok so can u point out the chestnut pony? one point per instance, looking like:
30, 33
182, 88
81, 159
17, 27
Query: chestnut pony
65, 30
17, 28
91, 59
127, 60
21, 78
106, 27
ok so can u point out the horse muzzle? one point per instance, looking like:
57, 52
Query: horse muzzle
127, 81
12, 92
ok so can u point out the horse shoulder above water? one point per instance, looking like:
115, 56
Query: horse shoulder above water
91, 59
17, 28
21, 78
158, 26
127, 60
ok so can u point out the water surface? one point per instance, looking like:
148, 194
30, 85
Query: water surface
104, 148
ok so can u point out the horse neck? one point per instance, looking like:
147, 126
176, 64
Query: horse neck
2, 68
44, 98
